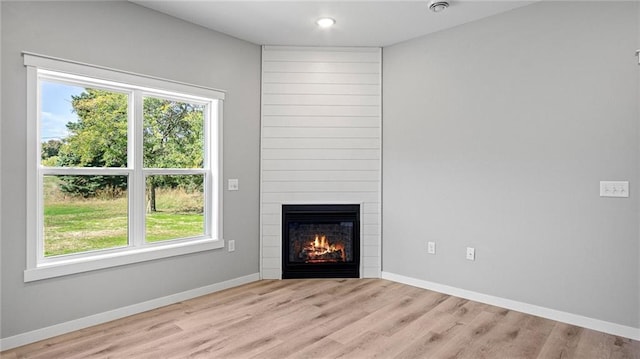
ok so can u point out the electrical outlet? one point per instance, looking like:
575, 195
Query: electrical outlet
614, 188
233, 185
471, 253
431, 247
231, 245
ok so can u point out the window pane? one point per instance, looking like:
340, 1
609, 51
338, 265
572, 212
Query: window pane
82, 127
84, 213
173, 134
175, 207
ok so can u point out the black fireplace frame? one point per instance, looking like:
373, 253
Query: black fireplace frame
322, 213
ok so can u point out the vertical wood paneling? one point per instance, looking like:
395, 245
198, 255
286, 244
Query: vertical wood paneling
321, 129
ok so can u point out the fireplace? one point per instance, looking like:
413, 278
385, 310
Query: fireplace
321, 241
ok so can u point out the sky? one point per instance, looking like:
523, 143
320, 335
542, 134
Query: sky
56, 110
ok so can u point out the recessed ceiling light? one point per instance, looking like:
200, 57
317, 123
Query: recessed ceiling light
438, 5
325, 22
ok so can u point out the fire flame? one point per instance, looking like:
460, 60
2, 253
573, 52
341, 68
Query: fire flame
321, 243
320, 247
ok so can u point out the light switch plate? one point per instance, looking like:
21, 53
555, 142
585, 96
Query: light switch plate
614, 188
233, 184
231, 245
431, 247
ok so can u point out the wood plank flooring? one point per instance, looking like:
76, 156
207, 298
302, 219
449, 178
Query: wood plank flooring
332, 318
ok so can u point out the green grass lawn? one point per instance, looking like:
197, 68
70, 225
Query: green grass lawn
77, 225
167, 225
73, 225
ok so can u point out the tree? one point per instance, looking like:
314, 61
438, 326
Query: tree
50, 148
49, 152
172, 138
97, 139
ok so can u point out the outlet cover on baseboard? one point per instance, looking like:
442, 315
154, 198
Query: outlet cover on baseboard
614, 188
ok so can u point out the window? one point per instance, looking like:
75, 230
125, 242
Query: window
122, 168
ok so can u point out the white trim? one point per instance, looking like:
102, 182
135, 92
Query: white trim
105, 259
217, 172
87, 171
33, 246
110, 74
81, 323
137, 201
557, 315
261, 166
380, 187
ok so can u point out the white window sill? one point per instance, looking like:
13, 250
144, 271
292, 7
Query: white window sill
69, 266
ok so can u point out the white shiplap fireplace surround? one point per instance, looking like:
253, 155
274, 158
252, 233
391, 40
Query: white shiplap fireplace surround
321, 142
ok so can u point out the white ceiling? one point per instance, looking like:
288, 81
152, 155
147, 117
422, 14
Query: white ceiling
358, 23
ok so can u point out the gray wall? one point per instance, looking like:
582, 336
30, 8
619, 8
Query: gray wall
496, 135
127, 37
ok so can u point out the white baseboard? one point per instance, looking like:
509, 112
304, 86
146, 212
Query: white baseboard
569, 318
77, 324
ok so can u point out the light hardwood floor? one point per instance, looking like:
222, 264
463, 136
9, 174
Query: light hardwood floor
346, 318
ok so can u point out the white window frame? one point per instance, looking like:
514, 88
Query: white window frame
41, 67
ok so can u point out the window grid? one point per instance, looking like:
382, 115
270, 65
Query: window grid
138, 249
